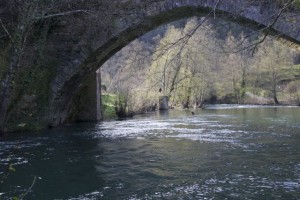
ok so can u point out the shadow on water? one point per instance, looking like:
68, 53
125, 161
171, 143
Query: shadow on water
233, 153
61, 159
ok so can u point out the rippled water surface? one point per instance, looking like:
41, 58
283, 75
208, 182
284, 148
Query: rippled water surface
222, 152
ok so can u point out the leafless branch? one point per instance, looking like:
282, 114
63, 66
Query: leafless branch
6, 31
21, 197
184, 39
215, 7
65, 13
269, 27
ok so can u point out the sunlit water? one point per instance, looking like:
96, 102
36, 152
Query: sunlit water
222, 152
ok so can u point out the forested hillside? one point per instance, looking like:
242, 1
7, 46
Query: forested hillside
217, 62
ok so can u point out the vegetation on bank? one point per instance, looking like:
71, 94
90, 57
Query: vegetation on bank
108, 105
212, 65
115, 106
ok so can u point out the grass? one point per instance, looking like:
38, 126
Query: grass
108, 106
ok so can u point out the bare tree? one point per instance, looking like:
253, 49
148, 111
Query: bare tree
18, 23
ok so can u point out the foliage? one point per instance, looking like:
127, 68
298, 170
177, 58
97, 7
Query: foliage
108, 106
195, 68
272, 62
293, 90
115, 106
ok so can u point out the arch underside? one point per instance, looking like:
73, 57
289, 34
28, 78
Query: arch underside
64, 98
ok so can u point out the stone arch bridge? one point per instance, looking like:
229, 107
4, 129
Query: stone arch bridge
85, 45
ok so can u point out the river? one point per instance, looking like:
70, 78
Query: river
221, 152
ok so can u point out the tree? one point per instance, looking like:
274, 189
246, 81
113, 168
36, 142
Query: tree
22, 23
272, 60
199, 58
236, 63
190, 64
17, 38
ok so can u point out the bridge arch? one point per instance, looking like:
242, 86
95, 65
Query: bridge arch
66, 86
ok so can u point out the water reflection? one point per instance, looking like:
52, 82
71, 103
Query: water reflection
233, 153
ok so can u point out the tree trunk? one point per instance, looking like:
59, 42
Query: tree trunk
174, 78
275, 99
275, 95
5, 99
243, 86
7, 89
199, 102
3, 111
187, 102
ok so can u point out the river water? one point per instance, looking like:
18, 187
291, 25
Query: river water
222, 152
